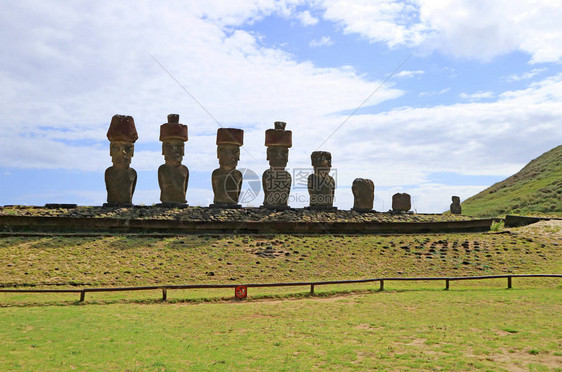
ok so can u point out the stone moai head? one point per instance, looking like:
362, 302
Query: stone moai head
278, 142
456, 205
122, 135
229, 141
173, 136
321, 160
363, 193
401, 202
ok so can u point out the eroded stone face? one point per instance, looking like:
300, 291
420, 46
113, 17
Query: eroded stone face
173, 151
278, 156
321, 186
456, 205
228, 156
173, 177
227, 180
121, 153
321, 160
276, 181
120, 179
363, 193
401, 202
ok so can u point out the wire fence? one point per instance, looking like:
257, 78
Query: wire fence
241, 289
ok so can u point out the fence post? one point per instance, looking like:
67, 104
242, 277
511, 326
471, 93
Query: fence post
82, 295
312, 289
446, 284
381, 288
509, 282
164, 294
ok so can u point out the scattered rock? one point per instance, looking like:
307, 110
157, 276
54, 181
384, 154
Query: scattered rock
215, 214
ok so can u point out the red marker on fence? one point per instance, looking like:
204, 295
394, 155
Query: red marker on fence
241, 292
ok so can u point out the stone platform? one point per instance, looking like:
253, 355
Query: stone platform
197, 220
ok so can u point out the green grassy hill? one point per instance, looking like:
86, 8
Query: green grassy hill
535, 189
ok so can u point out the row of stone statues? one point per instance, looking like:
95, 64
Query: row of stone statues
173, 176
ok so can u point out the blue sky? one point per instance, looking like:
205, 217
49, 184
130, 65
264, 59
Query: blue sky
478, 95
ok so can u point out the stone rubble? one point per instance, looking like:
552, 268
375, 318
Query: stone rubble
218, 215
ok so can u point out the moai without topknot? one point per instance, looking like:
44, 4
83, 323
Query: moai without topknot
321, 186
456, 205
401, 203
227, 180
120, 179
363, 195
276, 181
173, 176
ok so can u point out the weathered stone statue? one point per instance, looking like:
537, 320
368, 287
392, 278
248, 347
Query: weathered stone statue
456, 205
173, 176
120, 179
227, 180
321, 186
401, 203
276, 181
364, 195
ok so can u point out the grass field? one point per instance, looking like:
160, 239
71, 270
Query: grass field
473, 326
462, 329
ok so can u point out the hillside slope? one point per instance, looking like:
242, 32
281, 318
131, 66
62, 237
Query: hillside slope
204, 259
535, 189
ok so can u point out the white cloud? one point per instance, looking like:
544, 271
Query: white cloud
403, 146
409, 74
389, 21
525, 76
68, 71
323, 41
465, 28
477, 95
429, 94
306, 18
229, 13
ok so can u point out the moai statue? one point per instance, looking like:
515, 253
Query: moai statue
456, 205
401, 203
321, 185
364, 195
120, 179
227, 180
276, 180
173, 176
